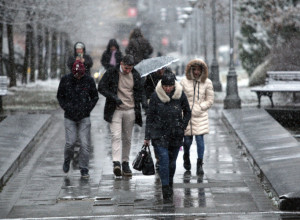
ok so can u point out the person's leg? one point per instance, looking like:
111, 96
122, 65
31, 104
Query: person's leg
116, 128
187, 142
200, 151
173, 154
200, 146
163, 156
84, 134
127, 127
71, 136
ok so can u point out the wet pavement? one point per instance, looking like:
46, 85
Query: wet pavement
229, 189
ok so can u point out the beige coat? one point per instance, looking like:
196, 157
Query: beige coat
200, 94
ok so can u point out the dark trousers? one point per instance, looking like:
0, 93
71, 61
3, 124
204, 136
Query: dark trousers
167, 163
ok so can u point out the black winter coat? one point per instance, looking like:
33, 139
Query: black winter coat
77, 97
139, 48
150, 83
167, 117
105, 59
108, 87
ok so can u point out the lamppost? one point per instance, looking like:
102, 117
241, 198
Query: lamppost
232, 99
214, 76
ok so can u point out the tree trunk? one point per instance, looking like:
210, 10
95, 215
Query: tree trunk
53, 65
1, 49
61, 55
46, 58
12, 71
32, 55
27, 54
41, 74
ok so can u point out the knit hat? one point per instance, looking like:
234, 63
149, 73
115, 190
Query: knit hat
78, 68
79, 45
168, 79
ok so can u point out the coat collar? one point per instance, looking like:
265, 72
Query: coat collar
162, 94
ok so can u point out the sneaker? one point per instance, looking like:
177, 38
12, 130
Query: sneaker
125, 169
84, 173
66, 166
117, 168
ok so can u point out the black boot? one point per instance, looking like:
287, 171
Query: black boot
125, 169
186, 161
167, 194
117, 168
199, 167
171, 187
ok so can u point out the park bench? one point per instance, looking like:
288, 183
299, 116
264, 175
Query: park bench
278, 81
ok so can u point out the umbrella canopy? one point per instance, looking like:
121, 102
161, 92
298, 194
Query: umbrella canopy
150, 65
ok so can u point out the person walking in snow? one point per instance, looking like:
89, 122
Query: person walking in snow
112, 56
77, 95
200, 93
81, 55
123, 91
167, 117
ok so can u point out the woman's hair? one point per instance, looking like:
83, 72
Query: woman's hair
112, 42
136, 33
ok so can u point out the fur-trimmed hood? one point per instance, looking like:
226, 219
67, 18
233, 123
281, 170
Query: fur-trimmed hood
162, 94
188, 70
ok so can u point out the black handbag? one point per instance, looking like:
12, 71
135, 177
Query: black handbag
138, 162
148, 168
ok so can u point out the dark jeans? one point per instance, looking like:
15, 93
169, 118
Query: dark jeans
167, 163
200, 145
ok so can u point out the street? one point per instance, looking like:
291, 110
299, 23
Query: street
229, 188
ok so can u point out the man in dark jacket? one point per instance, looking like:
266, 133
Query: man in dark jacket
80, 54
77, 95
122, 88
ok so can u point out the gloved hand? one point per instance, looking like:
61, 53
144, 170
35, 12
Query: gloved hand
118, 101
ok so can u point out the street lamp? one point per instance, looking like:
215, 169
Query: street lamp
214, 76
232, 99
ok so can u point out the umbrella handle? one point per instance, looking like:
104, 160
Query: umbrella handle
152, 80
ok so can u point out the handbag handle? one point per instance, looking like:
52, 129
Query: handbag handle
147, 148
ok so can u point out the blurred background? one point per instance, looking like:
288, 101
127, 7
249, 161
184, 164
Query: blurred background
37, 36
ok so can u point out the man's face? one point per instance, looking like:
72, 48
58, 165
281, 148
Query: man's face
126, 68
79, 50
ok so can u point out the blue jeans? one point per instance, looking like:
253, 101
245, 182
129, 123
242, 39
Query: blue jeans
200, 145
81, 130
167, 163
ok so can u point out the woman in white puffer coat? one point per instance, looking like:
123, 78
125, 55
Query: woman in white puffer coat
200, 93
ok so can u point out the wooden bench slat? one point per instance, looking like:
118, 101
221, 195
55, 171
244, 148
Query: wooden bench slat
278, 81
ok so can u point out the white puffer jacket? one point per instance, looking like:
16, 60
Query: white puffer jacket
200, 94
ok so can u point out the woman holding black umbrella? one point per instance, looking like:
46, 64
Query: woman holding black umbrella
167, 117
